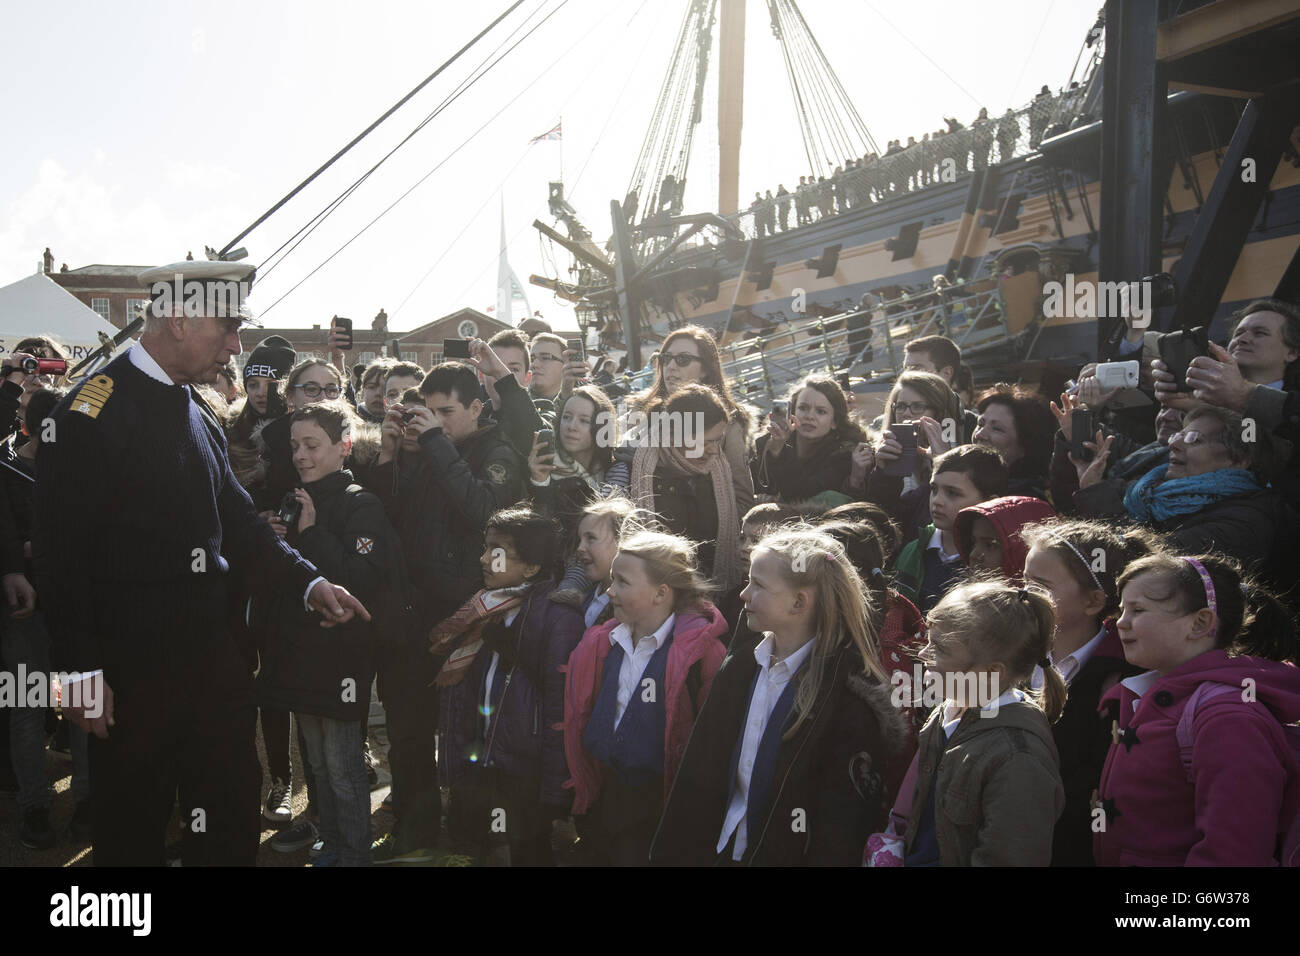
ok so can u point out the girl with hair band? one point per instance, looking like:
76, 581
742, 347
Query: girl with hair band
988, 785
1077, 563
689, 356
575, 470
635, 685
603, 523
1203, 770
764, 779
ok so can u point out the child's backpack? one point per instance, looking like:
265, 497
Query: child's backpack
1290, 849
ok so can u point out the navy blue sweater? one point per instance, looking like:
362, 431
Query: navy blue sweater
138, 516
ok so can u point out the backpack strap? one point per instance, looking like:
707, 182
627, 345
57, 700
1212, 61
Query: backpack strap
1185, 735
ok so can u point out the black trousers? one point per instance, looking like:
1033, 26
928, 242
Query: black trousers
411, 705
185, 722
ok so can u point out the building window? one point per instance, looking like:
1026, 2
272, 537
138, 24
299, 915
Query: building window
135, 309
366, 357
100, 306
410, 356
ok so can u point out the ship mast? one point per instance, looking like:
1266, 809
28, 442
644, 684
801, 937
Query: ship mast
731, 103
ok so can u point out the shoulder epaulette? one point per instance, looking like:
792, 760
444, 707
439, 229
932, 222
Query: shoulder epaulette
93, 395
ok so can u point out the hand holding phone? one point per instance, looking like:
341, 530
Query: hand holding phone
1081, 433
905, 463
342, 334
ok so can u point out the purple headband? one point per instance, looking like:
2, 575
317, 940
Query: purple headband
1210, 600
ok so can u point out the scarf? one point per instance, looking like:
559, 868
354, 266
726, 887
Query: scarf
566, 467
460, 636
642, 491
1152, 499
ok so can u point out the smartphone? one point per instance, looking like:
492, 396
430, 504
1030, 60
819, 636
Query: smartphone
781, 410
455, 348
545, 441
344, 327
407, 417
905, 464
575, 345
290, 510
844, 383
1081, 430
1177, 349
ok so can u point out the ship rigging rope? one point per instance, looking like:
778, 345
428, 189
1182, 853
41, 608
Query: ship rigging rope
850, 110
836, 137
387, 209
366, 132
813, 139
268, 266
804, 130
908, 39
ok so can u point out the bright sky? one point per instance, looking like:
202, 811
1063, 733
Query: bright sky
137, 131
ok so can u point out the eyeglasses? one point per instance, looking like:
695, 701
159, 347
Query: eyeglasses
911, 408
681, 359
543, 357
312, 390
1191, 437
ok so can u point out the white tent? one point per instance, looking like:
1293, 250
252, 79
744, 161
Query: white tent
38, 305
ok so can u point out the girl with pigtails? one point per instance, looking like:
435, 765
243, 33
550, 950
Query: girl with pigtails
786, 763
988, 789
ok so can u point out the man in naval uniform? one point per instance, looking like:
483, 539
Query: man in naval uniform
139, 523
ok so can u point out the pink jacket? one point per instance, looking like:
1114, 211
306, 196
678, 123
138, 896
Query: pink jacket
695, 639
1247, 782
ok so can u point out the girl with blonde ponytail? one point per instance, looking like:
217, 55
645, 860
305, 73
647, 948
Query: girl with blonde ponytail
805, 692
988, 789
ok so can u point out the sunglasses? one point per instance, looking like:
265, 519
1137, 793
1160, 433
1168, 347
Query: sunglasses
680, 359
312, 390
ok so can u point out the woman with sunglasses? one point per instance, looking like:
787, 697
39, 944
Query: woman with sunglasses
1208, 497
18, 384
689, 356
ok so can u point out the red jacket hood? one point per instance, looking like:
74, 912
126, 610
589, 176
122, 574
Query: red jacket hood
1008, 515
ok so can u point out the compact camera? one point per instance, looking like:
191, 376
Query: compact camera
1117, 375
290, 510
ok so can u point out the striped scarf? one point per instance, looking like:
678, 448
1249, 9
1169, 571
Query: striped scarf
460, 636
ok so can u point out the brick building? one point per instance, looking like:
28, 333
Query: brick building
112, 291
422, 345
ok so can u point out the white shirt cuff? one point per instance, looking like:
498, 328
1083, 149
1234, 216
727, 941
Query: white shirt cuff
540, 484
306, 594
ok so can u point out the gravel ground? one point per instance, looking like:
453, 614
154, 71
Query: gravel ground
67, 852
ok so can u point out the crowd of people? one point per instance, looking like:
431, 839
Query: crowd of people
905, 167
663, 628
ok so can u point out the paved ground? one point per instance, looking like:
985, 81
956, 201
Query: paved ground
70, 853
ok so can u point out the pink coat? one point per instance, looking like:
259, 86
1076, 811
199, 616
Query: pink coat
695, 639
1246, 779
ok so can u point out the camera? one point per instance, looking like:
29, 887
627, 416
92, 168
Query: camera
1117, 375
290, 510
35, 366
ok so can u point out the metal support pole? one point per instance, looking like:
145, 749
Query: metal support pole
629, 305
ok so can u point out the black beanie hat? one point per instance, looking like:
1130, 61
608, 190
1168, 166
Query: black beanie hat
272, 357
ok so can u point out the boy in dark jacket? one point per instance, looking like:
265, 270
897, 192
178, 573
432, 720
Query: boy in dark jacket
441, 477
323, 675
502, 698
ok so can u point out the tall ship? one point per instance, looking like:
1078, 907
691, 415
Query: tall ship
1186, 111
